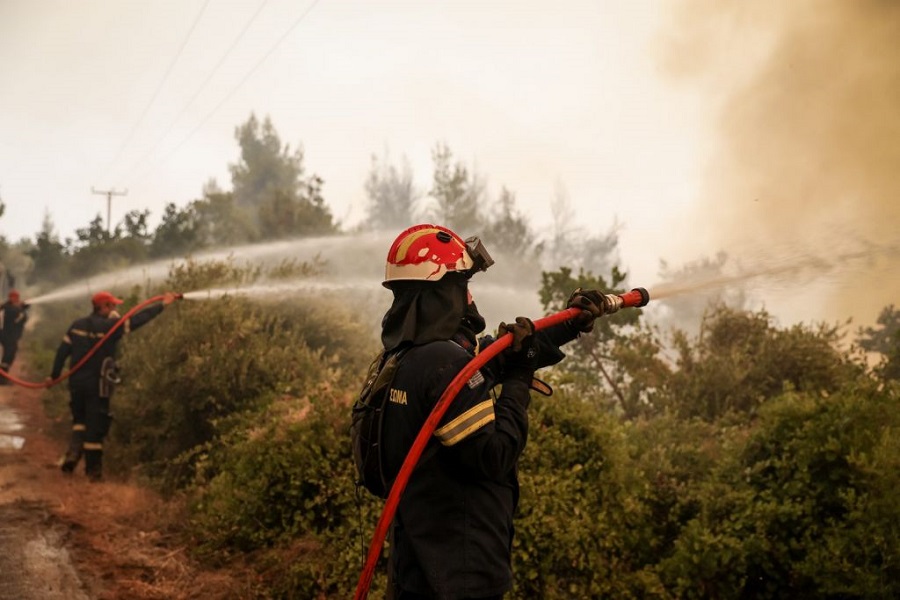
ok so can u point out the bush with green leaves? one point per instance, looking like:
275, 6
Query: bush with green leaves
763, 463
203, 364
577, 526
741, 359
805, 508
283, 494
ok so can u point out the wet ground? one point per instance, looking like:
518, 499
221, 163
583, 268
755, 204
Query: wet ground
62, 537
34, 559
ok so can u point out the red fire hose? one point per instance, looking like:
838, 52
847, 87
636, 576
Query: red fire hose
635, 298
91, 352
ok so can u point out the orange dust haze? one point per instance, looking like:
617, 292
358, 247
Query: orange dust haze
807, 136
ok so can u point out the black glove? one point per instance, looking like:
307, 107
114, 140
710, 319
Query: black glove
521, 357
592, 303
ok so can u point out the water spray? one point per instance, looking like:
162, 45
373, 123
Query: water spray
635, 298
274, 289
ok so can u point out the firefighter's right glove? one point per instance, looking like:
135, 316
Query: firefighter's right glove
592, 303
520, 359
169, 297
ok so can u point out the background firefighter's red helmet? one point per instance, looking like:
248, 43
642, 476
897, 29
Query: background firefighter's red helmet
426, 253
101, 298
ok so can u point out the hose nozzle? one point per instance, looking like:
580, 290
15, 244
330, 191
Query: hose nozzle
634, 299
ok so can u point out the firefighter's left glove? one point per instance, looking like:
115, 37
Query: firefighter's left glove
520, 359
592, 303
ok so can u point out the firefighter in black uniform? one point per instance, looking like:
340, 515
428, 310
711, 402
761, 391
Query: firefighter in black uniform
452, 535
14, 313
91, 386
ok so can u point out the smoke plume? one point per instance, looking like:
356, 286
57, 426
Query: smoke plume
806, 163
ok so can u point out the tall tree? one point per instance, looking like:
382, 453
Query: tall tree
97, 250
266, 166
133, 243
269, 180
458, 193
219, 221
885, 340
574, 246
48, 253
176, 234
620, 356
391, 193
134, 224
95, 234
508, 230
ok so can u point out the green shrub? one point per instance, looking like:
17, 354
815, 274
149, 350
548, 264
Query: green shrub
191, 374
806, 508
741, 359
579, 527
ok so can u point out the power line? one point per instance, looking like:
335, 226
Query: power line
158, 87
233, 90
203, 85
109, 194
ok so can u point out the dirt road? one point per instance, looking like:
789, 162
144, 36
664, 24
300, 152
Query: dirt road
62, 537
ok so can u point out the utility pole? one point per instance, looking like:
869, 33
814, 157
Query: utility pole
109, 194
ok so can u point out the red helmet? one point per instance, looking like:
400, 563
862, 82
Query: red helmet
101, 298
426, 252
14, 294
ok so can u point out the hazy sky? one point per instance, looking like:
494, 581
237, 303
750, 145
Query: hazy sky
658, 115
536, 96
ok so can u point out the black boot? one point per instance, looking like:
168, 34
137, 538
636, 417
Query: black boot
75, 450
93, 465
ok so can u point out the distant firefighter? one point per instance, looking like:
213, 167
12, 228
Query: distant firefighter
91, 386
13, 314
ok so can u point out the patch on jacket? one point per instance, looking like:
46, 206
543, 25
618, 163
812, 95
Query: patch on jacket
397, 396
476, 380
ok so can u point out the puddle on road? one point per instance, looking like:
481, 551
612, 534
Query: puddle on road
35, 563
10, 422
11, 442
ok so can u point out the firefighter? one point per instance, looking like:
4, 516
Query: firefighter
452, 535
91, 386
14, 314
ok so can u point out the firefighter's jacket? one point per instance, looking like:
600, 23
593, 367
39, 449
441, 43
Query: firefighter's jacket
84, 334
14, 318
453, 530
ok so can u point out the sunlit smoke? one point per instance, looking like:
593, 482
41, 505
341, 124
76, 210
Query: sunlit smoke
807, 95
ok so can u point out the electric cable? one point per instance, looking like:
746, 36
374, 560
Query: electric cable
202, 87
231, 93
158, 87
